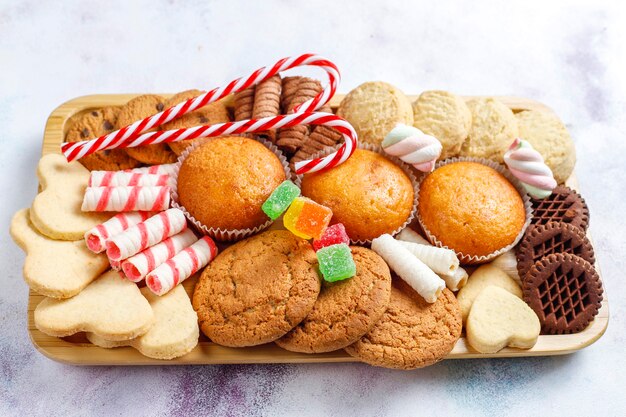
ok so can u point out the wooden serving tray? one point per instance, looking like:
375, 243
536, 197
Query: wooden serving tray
77, 350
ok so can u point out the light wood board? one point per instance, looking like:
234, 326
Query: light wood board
77, 350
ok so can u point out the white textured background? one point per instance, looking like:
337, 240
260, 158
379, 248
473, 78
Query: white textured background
569, 55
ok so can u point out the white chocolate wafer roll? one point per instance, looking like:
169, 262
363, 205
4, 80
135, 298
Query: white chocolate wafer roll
440, 260
454, 281
420, 277
126, 179
126, 199
182, 266
138, 266
97, 237
145, 234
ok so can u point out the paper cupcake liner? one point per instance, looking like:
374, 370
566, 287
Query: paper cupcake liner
223, 235
406, 168
474, 259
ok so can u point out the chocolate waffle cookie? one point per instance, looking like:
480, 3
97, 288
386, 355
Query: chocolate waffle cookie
564, 205
565, 292
549, 238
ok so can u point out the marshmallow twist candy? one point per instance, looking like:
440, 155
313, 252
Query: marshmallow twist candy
413, 146
126, 179
138, 266
126, 199
182, 266
527, 165
420, 277
145, 234
97, 237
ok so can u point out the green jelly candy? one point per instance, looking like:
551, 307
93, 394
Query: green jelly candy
280, 199
336, 262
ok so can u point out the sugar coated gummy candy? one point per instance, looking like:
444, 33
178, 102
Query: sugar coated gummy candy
336, 262
306, 218
280, 199
333, 235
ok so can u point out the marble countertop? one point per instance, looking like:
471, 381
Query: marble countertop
565, 54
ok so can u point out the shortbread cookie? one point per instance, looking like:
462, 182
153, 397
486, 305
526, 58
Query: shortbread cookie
138, 109
175, 330
110, 306
257, 289
499, 319
508, 263
493, 129
374, 108
93, 124
565, 291
345, 310
56, 210
549, 136
412, 333
483, 277
445, 116
208, 115
55, 268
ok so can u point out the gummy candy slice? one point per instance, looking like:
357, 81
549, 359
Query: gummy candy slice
336, 262
313, 219
333, 235
291, 217
280, 199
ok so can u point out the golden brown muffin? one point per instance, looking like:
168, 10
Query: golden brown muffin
471, 208
368, 193
224, 182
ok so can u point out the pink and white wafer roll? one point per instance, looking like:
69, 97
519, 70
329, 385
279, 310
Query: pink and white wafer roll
115, 265
97, 237
145, 234
163, 169
413, 146
527, 165
126, 179
182, 266
126, 199
138, 266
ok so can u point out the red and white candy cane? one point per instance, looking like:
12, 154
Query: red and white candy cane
183, 265
77, 150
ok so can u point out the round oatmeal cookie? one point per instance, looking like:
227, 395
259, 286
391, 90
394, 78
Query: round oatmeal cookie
93, 124
550, 138
345, 310
208, 115
445, 116
257, 289
137, 109
374, 108
493, 129
412, 333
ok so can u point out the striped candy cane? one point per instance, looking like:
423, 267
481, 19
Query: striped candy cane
77, 150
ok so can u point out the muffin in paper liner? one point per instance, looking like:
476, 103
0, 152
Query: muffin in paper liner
223, 235
406, 168
473, 259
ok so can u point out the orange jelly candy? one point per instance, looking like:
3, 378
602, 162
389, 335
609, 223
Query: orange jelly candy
306, 218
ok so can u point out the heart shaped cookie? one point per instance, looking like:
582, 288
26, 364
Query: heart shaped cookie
110, 306
55, 268
174, 333
499, 319
56, 210
480, 279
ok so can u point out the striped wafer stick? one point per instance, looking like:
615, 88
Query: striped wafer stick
115, 265
145, 234
126, 179
126, 199
182, 266
163, 169
138, 266
77, 150
97, 237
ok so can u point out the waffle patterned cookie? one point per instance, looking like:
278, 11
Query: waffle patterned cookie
564, 205
549, 238
565, 291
